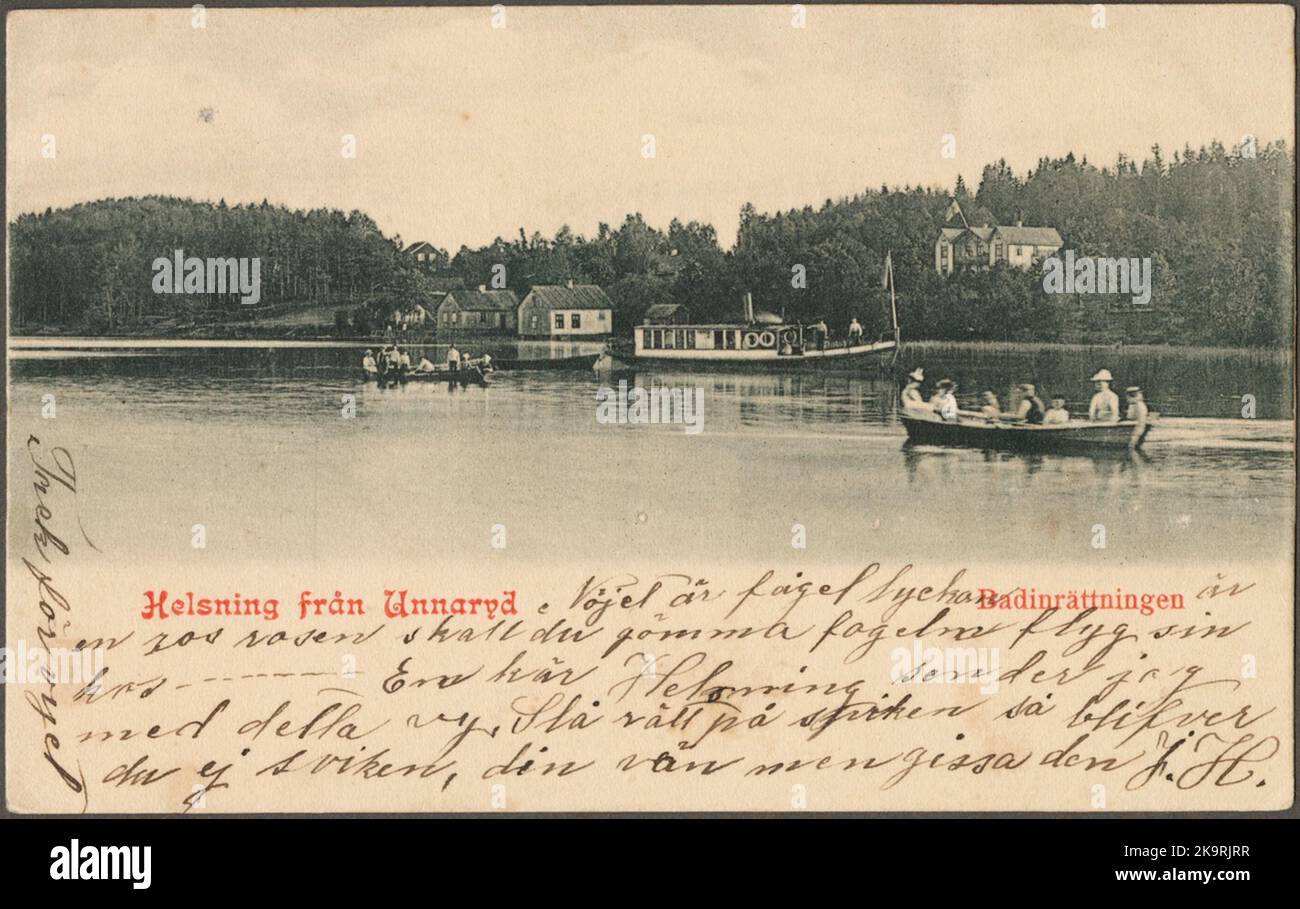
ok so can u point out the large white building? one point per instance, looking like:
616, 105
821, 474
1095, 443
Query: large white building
963, 246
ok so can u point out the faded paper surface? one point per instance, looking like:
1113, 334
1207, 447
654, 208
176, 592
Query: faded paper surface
654, 626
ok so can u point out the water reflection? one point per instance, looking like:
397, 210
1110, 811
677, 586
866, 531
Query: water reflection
266, 429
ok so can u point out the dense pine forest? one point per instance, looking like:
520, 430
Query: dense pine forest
1216, 223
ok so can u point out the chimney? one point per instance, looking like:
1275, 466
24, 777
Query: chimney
1020, 222
482, 288
570, 284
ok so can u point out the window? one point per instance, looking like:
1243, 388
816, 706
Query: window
647, 337
600, 316
559, 321
668, 340
718, 340
575, 321
998, 251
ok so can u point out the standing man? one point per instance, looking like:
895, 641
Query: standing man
1105, 403
1137, 405
1137, 412
855, 332
823, 333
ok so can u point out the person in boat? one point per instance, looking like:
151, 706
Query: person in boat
991, 408
368, 363
453, 358
1057, 413
1137, 405
855, 332
944, 401
1031, 409
486, 363
1104, 407
913, 401
405, 362
425, 364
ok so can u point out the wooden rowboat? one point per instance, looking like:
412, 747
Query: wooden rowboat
1076, 436
474, 374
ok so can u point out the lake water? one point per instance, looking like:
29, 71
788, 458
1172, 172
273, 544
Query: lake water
255, 445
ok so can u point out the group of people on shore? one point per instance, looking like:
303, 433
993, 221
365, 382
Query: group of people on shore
1104, 407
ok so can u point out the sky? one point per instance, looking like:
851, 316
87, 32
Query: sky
465, 131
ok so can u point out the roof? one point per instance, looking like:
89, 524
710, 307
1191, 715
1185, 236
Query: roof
429, 303
1025, 236
1030, 236
580, 296
418, 246
981, 233
663, 310
484, 300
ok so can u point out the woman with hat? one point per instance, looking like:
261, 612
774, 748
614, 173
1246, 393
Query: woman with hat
944, 401
913, 400
1105, 403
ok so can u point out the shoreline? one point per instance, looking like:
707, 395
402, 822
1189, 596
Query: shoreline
137, 342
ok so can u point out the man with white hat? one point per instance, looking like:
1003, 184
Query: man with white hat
1105, 403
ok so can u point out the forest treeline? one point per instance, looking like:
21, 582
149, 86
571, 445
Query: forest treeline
1217, 224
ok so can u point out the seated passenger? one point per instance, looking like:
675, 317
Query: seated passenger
1057, 413
1031, 409
991, 407
944, 401
913, 402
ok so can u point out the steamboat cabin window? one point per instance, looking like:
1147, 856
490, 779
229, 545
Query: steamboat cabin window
575, 320
559, 320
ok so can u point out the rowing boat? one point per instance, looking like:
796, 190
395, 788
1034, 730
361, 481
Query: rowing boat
1080, 436
475, 373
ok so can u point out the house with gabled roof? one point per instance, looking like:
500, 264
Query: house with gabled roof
422, 252
478, 310
960, 245
565, 311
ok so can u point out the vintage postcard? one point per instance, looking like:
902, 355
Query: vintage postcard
650, 408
